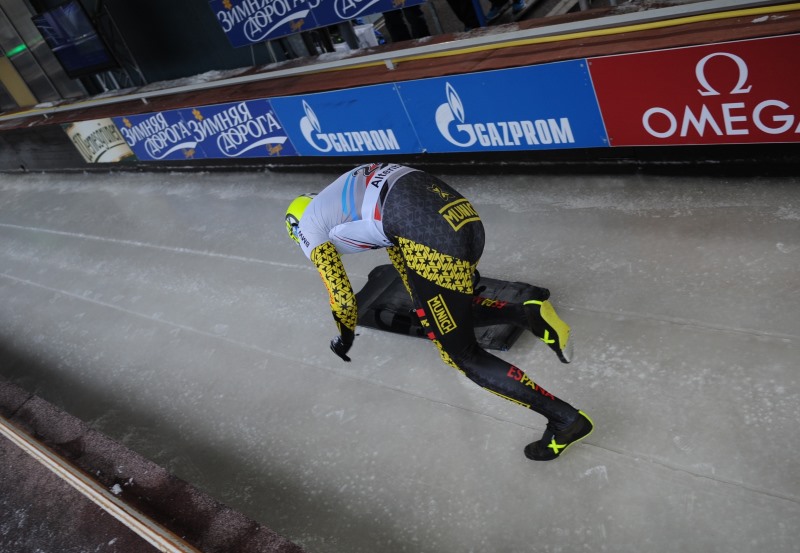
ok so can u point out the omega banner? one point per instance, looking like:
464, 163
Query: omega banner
248, 22
735, 92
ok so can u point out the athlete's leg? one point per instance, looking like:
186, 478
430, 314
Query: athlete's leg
443, 299
489, 311
439, 239
396, 256
536, 314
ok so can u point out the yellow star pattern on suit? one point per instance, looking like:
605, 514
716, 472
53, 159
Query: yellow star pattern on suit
343, 301
445, 270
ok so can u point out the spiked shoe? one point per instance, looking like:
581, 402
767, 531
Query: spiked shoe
549, 328
555, 442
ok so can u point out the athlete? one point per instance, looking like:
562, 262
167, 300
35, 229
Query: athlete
434, 238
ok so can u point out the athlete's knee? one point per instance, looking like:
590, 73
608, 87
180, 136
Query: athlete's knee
468, 361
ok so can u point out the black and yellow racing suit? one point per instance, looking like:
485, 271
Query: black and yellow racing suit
435, 238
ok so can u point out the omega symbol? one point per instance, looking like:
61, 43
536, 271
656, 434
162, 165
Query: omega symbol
707, 89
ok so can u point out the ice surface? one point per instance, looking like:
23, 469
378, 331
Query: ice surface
171, 312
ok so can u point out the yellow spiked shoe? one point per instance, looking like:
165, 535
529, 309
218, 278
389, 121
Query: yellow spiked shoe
549, 328
554, 442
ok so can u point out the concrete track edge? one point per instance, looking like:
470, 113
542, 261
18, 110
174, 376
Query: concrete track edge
139, 486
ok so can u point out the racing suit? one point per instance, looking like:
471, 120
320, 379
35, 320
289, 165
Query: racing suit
434, 238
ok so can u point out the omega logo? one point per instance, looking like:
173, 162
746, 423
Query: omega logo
772, 116
700, 72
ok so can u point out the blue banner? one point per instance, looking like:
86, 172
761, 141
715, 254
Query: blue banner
329, 12
240, 130
529, 108
159, 136
350, 122
248, 22
550, 106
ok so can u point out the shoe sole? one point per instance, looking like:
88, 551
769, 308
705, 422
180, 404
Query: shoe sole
562, 330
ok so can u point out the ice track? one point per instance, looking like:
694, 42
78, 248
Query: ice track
171, 312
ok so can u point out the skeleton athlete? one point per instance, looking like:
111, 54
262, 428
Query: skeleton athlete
434, 238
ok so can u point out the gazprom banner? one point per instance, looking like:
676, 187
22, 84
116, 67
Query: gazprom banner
248, 22
366, 120
529, 108
238, 130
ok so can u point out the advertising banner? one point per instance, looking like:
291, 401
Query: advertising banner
530, 108
158, 136
98, 141
329, 12
238, 130
350, 122
248, 22
736, 92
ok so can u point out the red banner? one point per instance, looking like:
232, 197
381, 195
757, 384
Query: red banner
728, 93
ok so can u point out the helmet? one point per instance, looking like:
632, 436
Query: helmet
295, 211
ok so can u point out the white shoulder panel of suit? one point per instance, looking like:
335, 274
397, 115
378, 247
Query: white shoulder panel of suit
348, 211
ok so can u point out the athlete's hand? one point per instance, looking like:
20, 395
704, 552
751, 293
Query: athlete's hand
340, 348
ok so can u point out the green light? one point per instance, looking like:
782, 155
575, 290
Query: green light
16, 50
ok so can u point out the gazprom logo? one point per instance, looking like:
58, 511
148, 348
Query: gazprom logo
370, 140
452, 123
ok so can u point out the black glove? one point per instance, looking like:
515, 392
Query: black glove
339, 347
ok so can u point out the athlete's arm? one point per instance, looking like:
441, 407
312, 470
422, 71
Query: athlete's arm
343, 301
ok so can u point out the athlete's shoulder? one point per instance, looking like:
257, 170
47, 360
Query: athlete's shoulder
375, 174
379, 173
369, 169
353, 175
